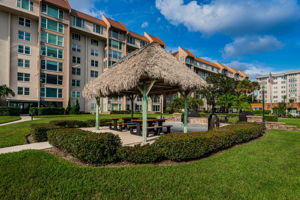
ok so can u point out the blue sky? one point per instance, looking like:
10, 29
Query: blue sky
255, 36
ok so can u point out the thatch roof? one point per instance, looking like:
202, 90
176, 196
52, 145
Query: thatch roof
149, 63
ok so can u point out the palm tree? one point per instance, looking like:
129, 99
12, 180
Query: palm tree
226, 100
5, 91
241, 103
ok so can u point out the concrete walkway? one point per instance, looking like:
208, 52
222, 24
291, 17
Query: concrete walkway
23, 119
36, 146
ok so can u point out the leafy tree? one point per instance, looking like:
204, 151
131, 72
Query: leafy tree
226, 101
218, 85
76, 108
193, 103
5, 91
281, 109
68, 109
247, 87
241, 103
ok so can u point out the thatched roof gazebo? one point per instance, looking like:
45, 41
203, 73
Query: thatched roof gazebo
148, 71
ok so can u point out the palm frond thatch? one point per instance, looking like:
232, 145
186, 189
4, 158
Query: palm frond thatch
149, 63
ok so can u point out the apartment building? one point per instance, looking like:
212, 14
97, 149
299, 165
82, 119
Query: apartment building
49, 51
283, 87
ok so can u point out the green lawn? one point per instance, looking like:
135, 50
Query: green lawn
6, 119
14, 134
264, 169
291, 121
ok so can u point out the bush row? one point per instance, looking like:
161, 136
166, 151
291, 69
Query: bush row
79, 124
182, 147
88, 147
46, 111
9, 111
106, 147
39, 131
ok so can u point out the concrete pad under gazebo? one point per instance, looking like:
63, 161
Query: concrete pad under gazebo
148, 71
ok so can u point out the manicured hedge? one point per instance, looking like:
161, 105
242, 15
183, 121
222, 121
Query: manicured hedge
9, 111
182, 147
39, 131
69, 123
140, 154
259, 112
46, 111
271, 118
87, 146
79, 124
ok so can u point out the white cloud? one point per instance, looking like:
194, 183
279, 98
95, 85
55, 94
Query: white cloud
145, 25
230, 16
87, 6
253, 70
251, 45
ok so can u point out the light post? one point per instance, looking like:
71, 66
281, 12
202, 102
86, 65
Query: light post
263, 103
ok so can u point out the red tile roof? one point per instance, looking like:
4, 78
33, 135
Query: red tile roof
88, 17
118, 25
158, 40
60, 3
175, 53
206, 62
189, 53
138, 36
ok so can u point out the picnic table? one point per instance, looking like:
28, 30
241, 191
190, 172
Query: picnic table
157, 129
115, 120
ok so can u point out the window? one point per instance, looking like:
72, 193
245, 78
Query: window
24, 49
94, 63
51, 79
75, 36
25, 4
115, 54
78, 22
94, 52
52, 11
75, 71
156, 99
94, 42
110, 63
23, 91
98, 29
155, 108
51, 65
94, 74
23, 77
24, 22
24, 36
23, 63
76, 83
52, 25
51, 92
76, 94
51, 52
143, 43
117, 35
131, 40
115, 44
52, 39
76, 59
93, 106
76, 48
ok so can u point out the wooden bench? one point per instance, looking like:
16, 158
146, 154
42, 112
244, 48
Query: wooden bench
157, 129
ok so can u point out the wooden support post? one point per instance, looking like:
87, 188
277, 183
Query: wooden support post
145, 113
185, 117
145, 91
97, 113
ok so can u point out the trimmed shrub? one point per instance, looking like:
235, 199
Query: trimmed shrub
233, 120
9, 111
120, 112
140, 154
87, 146
103, 122
259, 112
271, 118
69, 123
189, 146
46, 111
39, 131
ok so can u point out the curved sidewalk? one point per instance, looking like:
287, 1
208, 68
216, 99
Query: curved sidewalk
23, 119
35, 146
